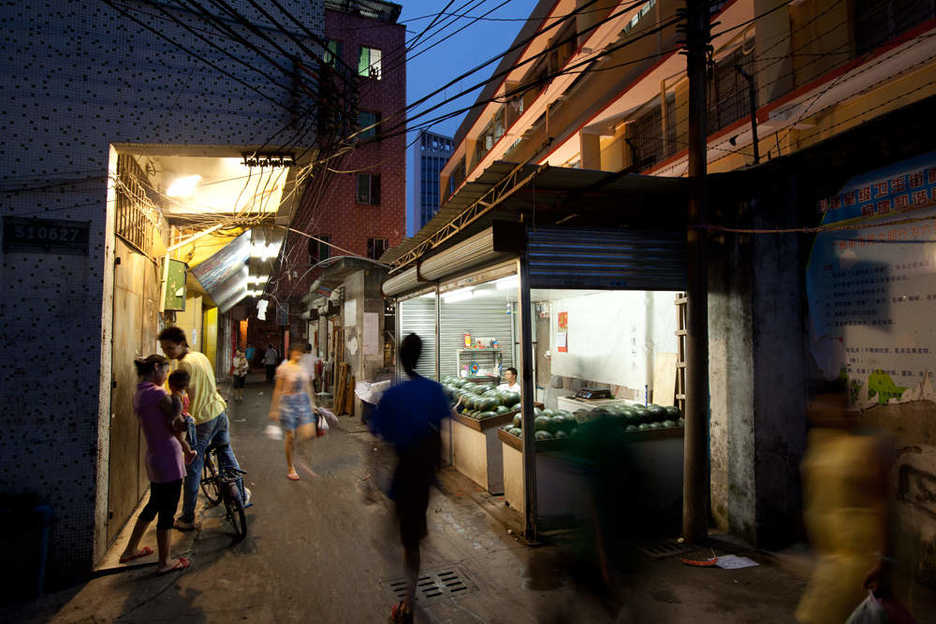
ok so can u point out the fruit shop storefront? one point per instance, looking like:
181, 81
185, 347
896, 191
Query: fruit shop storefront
537, 331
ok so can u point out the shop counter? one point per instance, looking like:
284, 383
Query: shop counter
562, 489
476, 451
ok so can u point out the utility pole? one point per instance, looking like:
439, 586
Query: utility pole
695, 454
752, 103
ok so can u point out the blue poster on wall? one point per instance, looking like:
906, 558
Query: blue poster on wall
871, 285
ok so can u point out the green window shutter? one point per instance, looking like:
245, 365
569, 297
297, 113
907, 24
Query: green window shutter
364, 62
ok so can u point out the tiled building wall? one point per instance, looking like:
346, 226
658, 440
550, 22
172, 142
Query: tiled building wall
77, 78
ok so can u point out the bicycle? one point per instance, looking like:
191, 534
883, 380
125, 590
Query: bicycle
220, 485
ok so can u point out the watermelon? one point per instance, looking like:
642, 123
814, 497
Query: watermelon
630, 428
543, 435
581, 416
672, 412
518, 420
487, 415
561, 435
490, 393
554, 424
500, 409
681, 422
642, 427
516, 431
657, 412
542, 423
668, 424
600, 412
511, 398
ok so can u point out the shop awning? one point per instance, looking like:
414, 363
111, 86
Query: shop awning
549, 196
224, 274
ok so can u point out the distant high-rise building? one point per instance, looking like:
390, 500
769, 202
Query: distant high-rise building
429, 155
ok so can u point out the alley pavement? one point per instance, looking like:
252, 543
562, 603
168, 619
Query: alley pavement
324, 549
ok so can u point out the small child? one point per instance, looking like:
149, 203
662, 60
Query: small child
183, 421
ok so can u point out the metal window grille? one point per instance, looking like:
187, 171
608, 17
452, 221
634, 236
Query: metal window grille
879, 21
138, 219
728, 92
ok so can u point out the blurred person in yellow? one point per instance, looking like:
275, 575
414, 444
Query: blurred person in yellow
847, 510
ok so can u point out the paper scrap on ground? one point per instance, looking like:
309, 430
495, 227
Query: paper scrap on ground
734, 562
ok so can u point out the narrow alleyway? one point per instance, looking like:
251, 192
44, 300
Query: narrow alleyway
318, 551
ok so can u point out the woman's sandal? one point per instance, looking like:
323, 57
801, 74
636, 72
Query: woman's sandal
146, 551
181, 564
293, 476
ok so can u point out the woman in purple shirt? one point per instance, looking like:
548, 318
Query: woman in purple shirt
165, 463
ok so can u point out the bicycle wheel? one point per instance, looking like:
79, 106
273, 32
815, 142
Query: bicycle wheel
235, 511
211, 479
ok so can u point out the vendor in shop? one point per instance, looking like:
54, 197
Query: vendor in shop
510, 379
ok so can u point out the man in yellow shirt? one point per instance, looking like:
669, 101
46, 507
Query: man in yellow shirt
208, 409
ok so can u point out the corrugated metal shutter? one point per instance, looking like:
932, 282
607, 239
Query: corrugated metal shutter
418, 316
607, 259
483, 318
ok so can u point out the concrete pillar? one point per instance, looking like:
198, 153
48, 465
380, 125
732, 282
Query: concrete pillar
757, 370
590, 149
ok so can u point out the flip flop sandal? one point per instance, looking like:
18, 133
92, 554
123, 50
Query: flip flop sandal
181, 564
293, 476
146, 551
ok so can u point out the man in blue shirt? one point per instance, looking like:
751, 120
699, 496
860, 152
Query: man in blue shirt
409, 416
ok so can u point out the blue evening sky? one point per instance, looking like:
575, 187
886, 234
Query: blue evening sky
428, 68
427, 71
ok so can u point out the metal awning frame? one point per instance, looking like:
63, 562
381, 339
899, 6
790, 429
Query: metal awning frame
498, 192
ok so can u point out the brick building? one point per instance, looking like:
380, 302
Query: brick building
359, 206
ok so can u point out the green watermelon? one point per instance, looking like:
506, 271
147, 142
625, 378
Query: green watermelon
657, 412
542, 423
600, 412
487, 415
561, 435
581, 416
630, 428
518, 420
668, 424
643, 427
500, 409
517, 431
511, 398
672, 412
543, 435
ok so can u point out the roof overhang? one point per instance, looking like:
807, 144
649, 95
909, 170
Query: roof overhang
546, 195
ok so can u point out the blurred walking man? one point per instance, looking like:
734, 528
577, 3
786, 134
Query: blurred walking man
409, 416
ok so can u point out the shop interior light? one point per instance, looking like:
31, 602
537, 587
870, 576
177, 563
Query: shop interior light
510, 282
462, 294
258, 279
183, 187
263, 252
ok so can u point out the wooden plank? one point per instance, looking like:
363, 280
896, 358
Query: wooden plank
664, 377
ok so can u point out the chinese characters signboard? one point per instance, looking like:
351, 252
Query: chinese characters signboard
872, 289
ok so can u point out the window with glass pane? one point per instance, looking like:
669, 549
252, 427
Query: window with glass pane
319, 249
332, 52
369, 63
368, 189
366, 119
376, 247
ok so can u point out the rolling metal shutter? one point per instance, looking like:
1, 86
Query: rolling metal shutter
607, 259
418, 316
482, 317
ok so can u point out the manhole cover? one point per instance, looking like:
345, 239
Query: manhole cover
664, 548
450, 581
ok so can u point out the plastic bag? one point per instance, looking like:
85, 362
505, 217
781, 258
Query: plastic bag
274, 431
321, 424
870, 611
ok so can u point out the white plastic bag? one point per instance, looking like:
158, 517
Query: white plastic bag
321, 424
274, 431
870, 611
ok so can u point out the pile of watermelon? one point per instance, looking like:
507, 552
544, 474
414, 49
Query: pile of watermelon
559, 424
549, 424
479, 401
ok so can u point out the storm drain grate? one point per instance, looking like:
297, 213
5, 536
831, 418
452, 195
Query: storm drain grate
665, 548
450, 582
